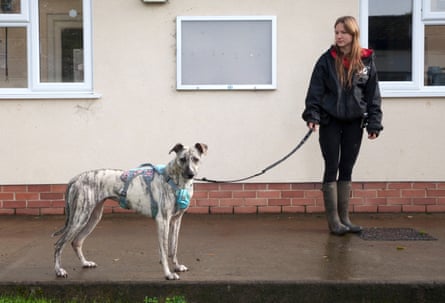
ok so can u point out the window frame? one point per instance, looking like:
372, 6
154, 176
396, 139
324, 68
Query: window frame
415, 87
427, 14
29, 18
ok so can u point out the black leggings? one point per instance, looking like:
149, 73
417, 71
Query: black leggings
340, 144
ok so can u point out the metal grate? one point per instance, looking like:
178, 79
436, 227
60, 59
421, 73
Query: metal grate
394, 234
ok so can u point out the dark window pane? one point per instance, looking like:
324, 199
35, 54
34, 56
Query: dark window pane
72, 55
390, 35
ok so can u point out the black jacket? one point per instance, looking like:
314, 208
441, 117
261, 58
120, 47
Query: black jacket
326, 97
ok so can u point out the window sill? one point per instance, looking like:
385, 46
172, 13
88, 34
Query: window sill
50, 95
406, 93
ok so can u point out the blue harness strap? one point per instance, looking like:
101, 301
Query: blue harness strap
147, 172
182, 195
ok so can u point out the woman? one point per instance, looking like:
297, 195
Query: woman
343, 98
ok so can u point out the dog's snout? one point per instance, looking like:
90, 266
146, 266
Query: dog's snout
189, 173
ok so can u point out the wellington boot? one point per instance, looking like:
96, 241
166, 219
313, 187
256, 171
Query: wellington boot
344, 195
330, 203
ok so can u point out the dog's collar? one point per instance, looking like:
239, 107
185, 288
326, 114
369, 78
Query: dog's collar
182, 194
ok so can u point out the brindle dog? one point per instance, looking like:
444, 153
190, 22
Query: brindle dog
86, 193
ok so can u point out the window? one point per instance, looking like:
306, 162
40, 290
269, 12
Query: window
45, 49
409, 40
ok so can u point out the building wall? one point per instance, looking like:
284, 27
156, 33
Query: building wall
141, 115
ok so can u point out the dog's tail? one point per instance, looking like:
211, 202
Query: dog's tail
68, 198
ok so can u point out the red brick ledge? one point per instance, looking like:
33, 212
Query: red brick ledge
250, 198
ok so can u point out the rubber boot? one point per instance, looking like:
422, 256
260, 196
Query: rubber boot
330, 203
344, 194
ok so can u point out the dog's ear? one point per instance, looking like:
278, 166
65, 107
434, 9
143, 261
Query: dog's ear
201, 147
177, 148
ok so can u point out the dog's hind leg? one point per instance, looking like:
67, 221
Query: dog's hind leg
60, 244
74, 228
67, 232
175, 226
77, 243
163, 237
68, 235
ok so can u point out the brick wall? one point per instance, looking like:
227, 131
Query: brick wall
369, 197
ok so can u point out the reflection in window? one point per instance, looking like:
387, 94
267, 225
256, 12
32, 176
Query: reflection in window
390, 35
13, 57
435, 54
61, 37
437, 5
9, 6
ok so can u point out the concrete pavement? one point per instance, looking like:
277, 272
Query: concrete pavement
243, 258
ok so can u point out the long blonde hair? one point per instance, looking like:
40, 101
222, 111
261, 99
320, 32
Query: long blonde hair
346, 73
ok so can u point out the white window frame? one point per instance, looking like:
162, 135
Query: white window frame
49, 90
416, 87
427, 14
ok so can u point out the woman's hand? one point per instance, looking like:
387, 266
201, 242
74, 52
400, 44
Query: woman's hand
312, 126
372, 136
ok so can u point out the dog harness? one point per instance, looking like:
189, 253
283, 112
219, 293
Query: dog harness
147, 172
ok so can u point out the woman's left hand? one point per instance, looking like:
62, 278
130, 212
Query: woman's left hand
372, 136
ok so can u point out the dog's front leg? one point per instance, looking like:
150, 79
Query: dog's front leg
163, 231
175, 226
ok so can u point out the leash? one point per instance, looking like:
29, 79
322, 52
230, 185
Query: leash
300, 144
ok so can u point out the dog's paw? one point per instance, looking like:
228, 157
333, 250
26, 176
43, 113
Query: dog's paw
172, 276
61, 273
181, 268
89, 264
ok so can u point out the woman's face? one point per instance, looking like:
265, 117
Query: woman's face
342, 39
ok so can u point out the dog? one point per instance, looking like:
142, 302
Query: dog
164, 197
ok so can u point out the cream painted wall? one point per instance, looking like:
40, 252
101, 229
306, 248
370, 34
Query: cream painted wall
141, 115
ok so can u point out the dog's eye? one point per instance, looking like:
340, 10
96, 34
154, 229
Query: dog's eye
195, 160
182, 160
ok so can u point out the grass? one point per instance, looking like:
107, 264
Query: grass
19, 299
175, 299
22, 300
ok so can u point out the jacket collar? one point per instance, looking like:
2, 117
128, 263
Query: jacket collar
366, 53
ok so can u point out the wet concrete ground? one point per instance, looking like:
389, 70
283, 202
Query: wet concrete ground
288, 256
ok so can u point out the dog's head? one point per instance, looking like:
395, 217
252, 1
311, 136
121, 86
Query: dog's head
188, 159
